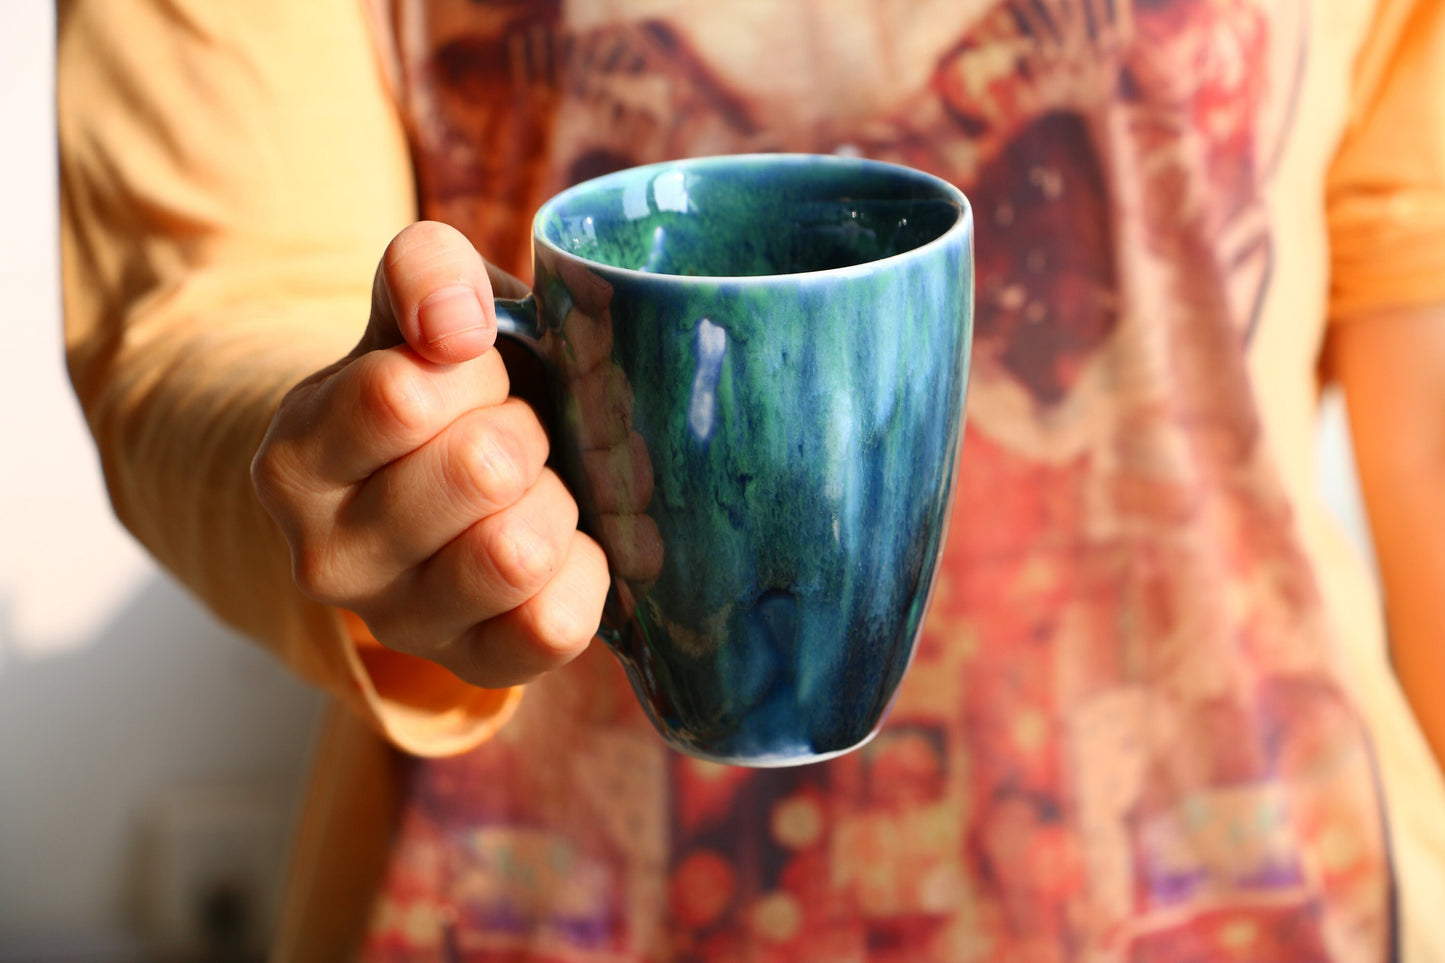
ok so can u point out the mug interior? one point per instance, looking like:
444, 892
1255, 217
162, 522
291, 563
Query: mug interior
750, 216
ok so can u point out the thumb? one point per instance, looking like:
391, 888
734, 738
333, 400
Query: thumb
432, 293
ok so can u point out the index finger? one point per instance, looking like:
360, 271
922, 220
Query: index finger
380, 407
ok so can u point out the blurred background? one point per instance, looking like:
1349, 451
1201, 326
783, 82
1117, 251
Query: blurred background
150, 761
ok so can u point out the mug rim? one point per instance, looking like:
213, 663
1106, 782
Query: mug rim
962, 224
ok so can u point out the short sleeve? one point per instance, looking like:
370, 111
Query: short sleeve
1386, 189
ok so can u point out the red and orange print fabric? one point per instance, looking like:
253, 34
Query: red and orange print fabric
1123, 738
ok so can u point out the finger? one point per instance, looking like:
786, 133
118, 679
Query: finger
380, 407
480, 464
547, 631
432, 291
620, 477
495, 565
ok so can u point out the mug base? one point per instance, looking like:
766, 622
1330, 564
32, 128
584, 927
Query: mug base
777, 760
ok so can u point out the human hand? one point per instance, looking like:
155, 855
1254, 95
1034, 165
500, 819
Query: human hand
413, 490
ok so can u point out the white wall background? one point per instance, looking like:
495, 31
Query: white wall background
114, 686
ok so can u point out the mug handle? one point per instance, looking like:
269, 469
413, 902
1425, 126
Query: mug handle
517, 320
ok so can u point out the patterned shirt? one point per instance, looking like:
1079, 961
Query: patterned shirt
1124, 736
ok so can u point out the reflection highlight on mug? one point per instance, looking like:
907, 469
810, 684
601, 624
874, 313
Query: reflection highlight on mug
597, 411
712, 344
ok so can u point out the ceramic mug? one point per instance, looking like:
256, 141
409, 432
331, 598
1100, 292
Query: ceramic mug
759, 366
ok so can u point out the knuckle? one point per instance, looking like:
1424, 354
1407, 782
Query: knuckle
396, 400
522, 557
315, 569
269, 463
562, 629
266, 474
487, 462
279, 479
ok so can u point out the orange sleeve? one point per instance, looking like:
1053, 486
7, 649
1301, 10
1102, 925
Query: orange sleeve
1386, 190
230, 173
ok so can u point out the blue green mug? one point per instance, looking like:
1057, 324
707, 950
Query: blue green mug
759, 366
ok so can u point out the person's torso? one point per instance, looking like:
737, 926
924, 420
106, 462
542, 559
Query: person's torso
1124, 734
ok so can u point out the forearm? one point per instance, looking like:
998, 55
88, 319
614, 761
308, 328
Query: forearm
177, 407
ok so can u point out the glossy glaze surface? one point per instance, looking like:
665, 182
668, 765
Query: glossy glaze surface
760, 365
